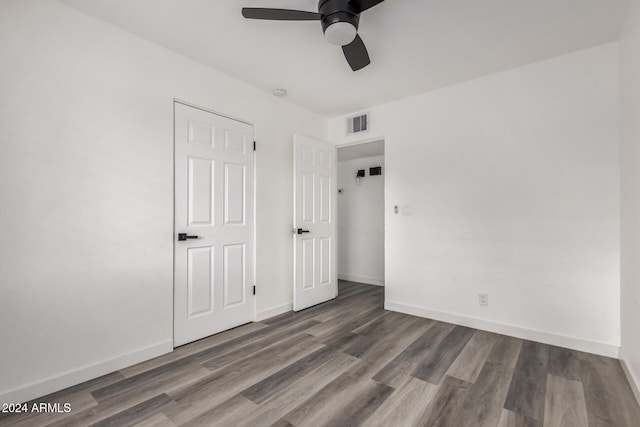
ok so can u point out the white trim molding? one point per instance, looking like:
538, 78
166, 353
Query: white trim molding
573, 343
634, 380
86, 373
361, 279
274, 311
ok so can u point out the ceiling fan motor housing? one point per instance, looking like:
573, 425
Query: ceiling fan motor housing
334, 11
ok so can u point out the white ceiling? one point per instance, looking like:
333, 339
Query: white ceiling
415, 45
360, 151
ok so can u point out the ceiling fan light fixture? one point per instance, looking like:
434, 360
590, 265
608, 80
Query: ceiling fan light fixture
339, 20
340, 33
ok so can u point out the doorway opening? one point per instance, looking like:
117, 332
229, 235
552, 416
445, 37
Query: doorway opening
361, 213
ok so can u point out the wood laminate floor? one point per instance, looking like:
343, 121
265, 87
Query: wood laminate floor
349, 362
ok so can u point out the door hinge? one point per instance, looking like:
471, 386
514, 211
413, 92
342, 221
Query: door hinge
254, 290
254, 146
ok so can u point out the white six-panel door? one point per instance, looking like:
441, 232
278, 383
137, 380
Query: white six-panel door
315, 274
213, 280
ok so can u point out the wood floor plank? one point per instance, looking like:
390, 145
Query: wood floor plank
136, 413
357, 304
506, 352
373, 346
224, 383
483, 403
331, 313
354, 289
608, 397
565, 405
362, 404
371, 296
381, 325
528, 387
224, 358
443, 409
262, 390
434, 366
229, 412
469, 363
511, 419
334, 396
337, 333
406, 406
389, 325
564, 363
349, 324
282, 423
410, 358
157, 420
172, 380
279, 404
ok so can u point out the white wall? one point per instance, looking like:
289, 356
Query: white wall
630, 192
513, 183
86, 125
361, 222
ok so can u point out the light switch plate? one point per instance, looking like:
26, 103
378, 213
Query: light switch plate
405, 210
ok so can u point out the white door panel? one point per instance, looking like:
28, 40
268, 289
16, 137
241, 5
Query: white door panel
200, 281
213, 201
200, 203
234, 275
234, 192
315, 277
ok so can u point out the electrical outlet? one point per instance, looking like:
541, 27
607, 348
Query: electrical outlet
483, 299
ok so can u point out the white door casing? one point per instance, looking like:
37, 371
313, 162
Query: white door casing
213, 273
315, 277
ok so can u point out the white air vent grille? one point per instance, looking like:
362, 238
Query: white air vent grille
358, 124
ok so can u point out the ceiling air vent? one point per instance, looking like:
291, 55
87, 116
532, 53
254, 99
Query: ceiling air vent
358, 124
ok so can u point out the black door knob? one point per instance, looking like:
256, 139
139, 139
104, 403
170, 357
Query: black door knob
300, 231
184, 236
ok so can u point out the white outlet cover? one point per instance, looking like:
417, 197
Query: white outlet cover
483, 299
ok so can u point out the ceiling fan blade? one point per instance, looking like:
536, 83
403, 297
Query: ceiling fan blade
356, 54
363, 5
279, 14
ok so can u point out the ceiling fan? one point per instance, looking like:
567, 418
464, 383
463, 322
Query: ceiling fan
339, 19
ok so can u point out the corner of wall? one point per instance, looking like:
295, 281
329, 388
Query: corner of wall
632, 377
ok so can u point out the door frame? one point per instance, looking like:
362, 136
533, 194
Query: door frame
173, 213
361, 142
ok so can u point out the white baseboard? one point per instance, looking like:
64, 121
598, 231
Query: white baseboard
634, 381
601, 349
361, 279
274, 311
86, 373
